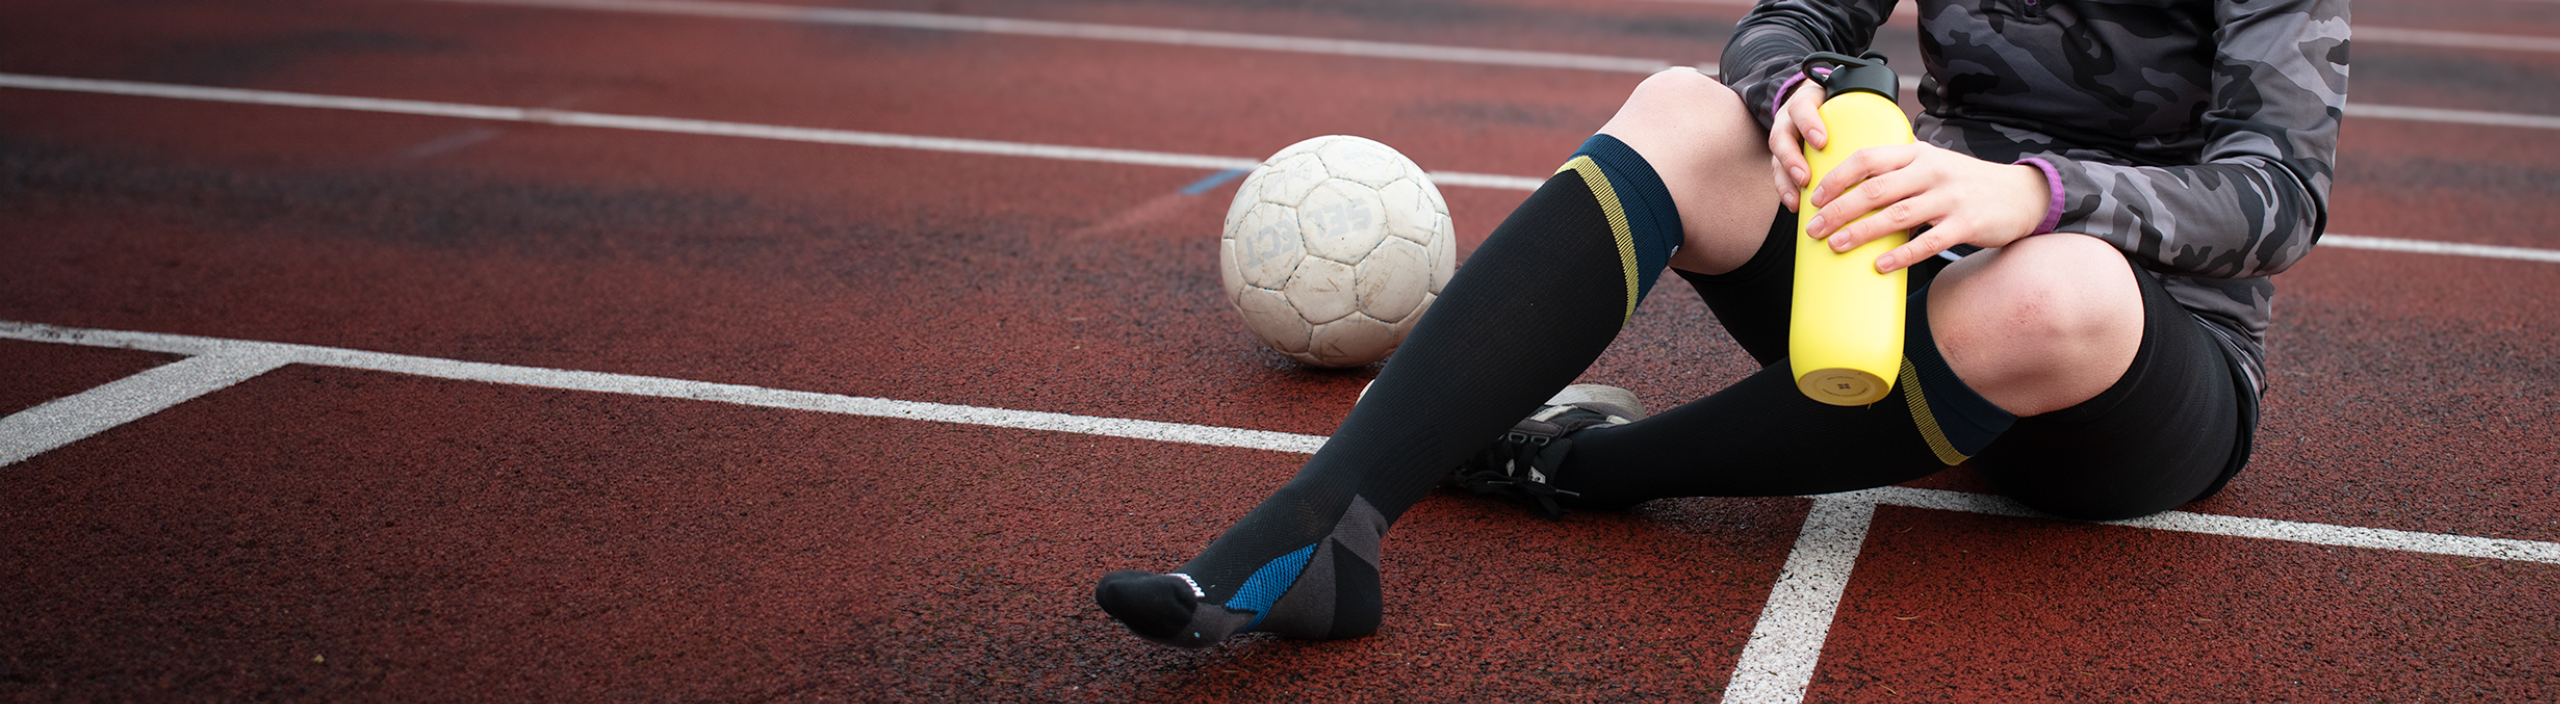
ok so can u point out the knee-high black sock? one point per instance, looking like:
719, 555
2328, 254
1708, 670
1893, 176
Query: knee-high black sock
1763, 437
1532, 307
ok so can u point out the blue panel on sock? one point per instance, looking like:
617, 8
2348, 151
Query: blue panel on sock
1652, 218
1267, 584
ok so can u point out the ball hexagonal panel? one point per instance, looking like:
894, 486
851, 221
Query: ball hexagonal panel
1267, 245
1353, 340
1322, 290
1271, 318
1393, 280
1362, 160
1342, 220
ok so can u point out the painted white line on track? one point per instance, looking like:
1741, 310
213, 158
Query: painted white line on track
1319, 45
2368, 34
2238, 527
570, 118
886, 140
941, 144
247, 354
1103, 32
277, 354
2369, 111
66, 420
2450, 248
1777, 663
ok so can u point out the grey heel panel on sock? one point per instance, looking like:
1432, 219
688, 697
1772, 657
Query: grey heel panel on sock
1336, 597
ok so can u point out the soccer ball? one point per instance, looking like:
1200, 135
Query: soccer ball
1333, 248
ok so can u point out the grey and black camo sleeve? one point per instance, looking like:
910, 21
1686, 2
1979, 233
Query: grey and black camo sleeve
2197, 136
2260, 197
1776, 36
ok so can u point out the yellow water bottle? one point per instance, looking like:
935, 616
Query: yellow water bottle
1845, 337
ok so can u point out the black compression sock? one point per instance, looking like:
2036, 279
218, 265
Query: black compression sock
1532, 307
1763, 437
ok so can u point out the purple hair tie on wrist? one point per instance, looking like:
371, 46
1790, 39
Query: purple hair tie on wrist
1780, 102
2053, 185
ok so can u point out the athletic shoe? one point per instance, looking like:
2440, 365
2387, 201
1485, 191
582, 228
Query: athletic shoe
1523, 463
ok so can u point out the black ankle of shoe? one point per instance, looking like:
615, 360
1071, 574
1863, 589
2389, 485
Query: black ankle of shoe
1533, 461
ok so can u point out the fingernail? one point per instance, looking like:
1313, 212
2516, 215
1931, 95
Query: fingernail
1814, 226
1797, 172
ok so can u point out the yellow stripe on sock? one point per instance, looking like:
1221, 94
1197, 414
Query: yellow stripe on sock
1608, 197
1929, 430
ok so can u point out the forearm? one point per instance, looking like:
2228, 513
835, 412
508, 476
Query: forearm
1769, 43
2237, 219
2257, 197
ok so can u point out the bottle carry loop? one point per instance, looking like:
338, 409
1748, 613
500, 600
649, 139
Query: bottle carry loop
1841, 73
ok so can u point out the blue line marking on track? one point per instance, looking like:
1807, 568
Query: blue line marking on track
1203, 185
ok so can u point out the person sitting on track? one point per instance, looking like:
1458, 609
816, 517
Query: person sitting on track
2113, 182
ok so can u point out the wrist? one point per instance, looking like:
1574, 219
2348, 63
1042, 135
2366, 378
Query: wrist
1779, 104
2053, 189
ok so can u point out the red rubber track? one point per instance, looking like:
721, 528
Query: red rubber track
402, 538
445, 540
1977, 608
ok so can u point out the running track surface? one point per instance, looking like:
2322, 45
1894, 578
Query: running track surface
312, 403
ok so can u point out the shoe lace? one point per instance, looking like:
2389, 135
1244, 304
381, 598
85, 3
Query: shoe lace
1522, 466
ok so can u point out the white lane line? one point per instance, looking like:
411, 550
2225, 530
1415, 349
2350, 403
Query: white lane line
248, 354
2239, 527
66, 420
2368, 34
942, 144
1103, 32
2452, 117
1777, 664
1319, 45
693, 127
275, 354
2450, 248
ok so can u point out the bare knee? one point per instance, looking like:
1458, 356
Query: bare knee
1672, 104
2041, 325
1713, 158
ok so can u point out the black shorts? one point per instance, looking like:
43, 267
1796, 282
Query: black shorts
2175, 429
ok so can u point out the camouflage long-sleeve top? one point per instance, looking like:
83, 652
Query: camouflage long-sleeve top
2195, 135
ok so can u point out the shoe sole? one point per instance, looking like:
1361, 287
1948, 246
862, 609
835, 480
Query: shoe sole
1578, 393
1595, 393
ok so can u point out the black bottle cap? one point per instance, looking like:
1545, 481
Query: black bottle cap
1849, 74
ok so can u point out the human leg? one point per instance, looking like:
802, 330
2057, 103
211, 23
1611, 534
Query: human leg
1530, 309
2171, 430
2043, 313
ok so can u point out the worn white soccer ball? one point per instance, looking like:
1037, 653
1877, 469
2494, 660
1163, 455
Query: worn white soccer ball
1334, 248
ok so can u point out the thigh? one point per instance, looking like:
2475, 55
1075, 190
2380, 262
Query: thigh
2170, 432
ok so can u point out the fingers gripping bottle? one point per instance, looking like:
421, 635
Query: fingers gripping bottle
1845, 338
